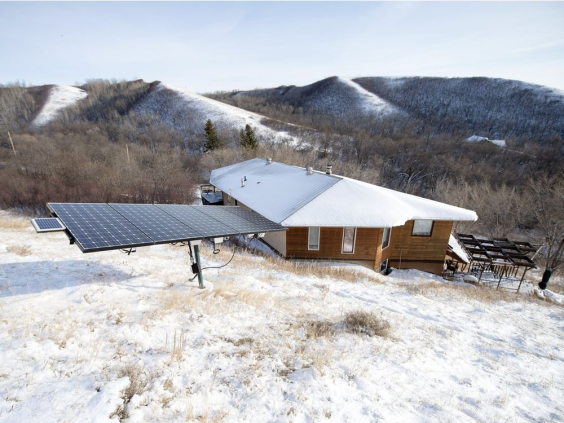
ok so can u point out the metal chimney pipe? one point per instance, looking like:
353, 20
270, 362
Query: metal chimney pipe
268, 161
243, 182
309, 170
329, 169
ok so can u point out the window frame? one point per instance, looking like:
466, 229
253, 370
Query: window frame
343, 241
425, 235
309, 238
388, 239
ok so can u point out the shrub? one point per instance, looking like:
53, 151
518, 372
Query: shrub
368, 323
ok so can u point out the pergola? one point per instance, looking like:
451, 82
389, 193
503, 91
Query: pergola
498, 256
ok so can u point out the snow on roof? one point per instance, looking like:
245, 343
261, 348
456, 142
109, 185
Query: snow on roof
476, 138
289, 196
274, 190
458, 249
60, 97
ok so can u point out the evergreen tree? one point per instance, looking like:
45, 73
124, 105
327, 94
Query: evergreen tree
248, 138
212, 140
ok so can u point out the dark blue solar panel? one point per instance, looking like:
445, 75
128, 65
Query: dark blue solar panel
206, 226
255, 222
49, 223
155, 223
97, 227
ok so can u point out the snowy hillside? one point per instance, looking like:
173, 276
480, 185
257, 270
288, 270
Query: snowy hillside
497, 108
59, 97
110, 337
186, 111
336, 96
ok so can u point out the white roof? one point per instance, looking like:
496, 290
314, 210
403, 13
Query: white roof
458, 249
289, 196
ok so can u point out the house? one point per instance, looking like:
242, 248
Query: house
337, 218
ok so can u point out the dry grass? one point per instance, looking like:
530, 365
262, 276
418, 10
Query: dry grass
481, 293
139, 380
177, 347
319, 328
176, 301
362, 322
273, 264
8, 221
356, 322
19, 250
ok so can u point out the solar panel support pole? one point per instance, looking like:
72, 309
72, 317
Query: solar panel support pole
200, 276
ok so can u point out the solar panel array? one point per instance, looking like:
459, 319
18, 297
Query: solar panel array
100, 226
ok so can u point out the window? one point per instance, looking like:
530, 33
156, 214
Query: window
422, 227
349, 238
313, 238
384, 267
386, 237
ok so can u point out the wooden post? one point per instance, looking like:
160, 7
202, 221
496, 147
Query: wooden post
481, 272
499, 281
12, 142
522, 277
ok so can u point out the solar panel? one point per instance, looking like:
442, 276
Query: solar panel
47, 224
252, 216
205, 225
239, 223
98, 227
155, 223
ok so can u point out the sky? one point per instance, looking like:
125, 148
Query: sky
205, 47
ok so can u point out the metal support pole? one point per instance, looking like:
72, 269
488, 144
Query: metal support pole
200, 276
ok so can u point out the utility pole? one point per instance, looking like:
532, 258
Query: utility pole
12, 142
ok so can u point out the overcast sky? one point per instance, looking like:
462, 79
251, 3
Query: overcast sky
205, 47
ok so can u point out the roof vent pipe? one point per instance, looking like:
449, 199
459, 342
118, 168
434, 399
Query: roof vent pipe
243, 179
268, 161
329, 169
309, 170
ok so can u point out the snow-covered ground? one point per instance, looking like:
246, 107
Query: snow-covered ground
60, 97
82, 334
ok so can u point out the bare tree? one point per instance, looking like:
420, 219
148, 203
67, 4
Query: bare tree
548, 210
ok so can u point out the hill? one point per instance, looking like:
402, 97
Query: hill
336, 96
187, 112
494, 108
134, 104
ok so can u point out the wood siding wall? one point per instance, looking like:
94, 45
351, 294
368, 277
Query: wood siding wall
330, 244
418, 252
405, 251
